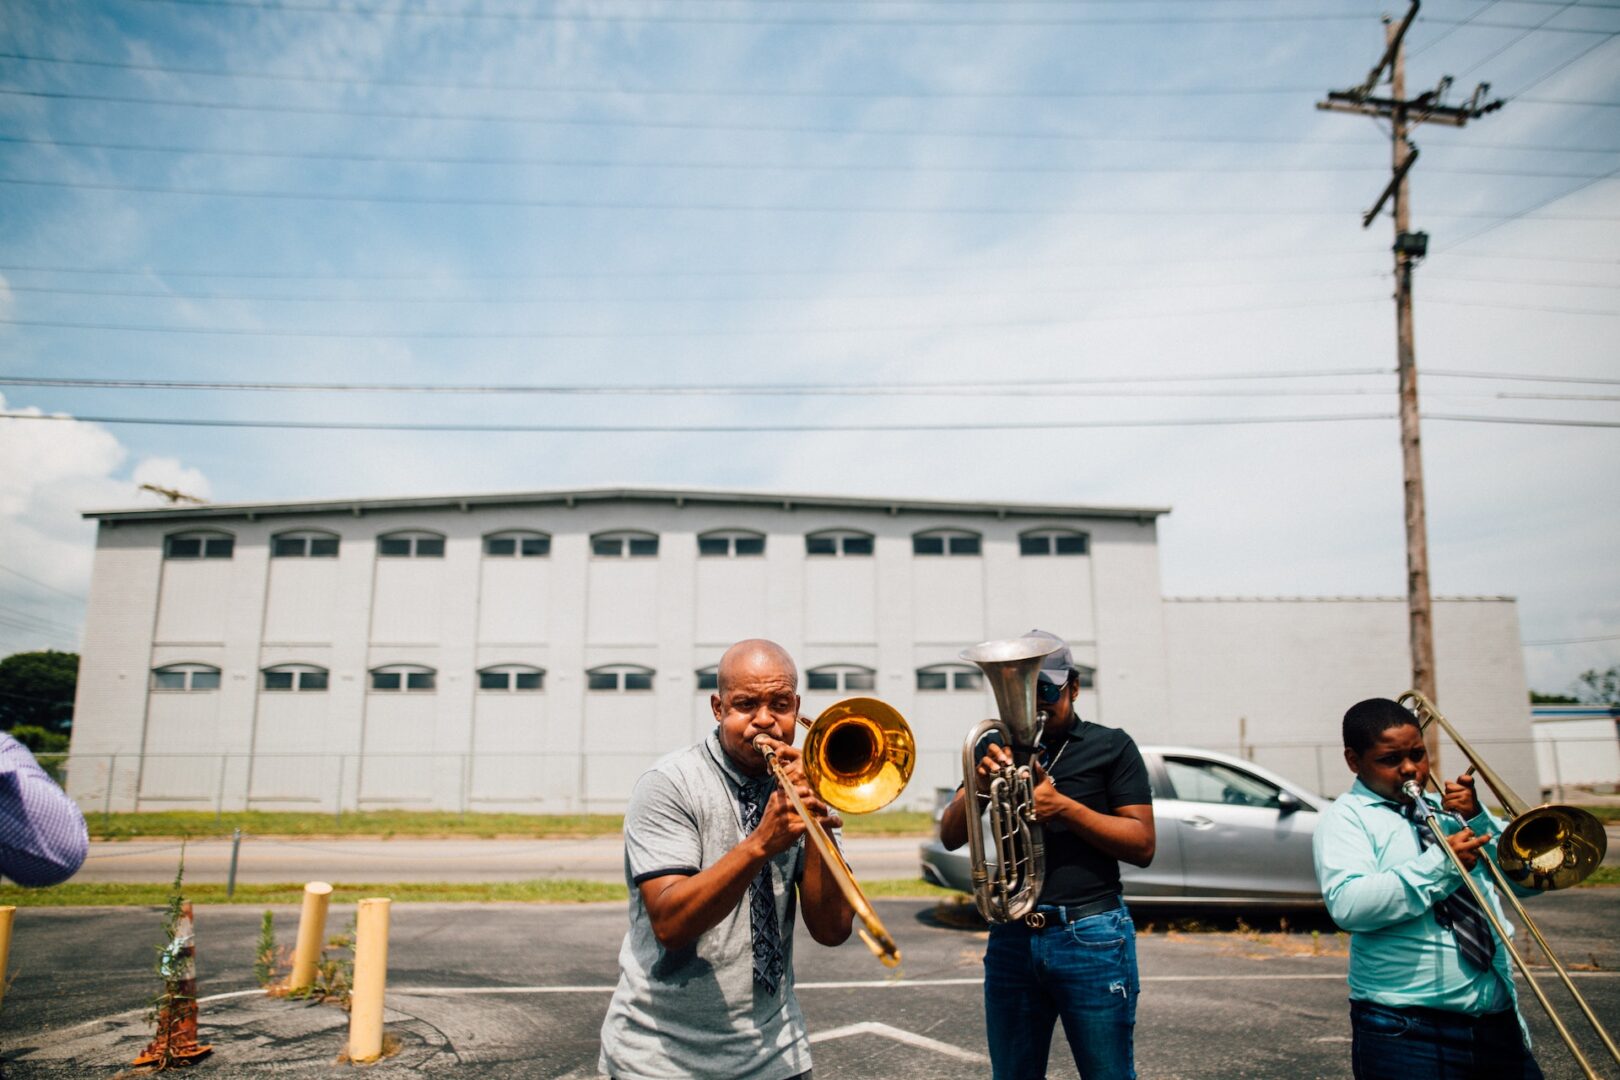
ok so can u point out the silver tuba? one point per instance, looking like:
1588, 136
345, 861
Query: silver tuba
1008, 889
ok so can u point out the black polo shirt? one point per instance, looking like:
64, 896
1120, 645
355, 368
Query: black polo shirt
1101, 768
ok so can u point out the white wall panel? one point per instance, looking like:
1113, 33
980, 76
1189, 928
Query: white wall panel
947, 596
1054, 594
400, 724
407, 606
195, 601
511, 748
731, 600
622, 595
182, 744
840, 600
293, 760
514, 603
300, 604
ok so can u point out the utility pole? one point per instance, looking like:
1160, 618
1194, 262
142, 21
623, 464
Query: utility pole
1409, 249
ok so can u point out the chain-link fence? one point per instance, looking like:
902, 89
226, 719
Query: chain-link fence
600, 781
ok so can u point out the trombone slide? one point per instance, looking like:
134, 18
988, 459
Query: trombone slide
872, 931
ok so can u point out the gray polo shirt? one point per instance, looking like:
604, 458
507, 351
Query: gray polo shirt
697, 1012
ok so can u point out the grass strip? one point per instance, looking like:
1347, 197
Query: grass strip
562, 891
390, 823
1604, 875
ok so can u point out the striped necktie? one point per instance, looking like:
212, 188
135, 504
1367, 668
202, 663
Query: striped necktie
1458, 912
769, 961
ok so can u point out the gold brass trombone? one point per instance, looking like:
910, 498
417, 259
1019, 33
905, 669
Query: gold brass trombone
858, 756
1543, 848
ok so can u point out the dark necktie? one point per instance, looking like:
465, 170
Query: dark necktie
768, 958
1458, 912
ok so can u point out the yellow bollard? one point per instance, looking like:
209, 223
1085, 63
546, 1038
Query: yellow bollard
370, 977
311, 934
6, 914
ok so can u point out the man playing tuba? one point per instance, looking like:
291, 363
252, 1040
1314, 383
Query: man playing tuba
1074, 955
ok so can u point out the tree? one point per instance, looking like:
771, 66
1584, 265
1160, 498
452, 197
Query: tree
36, 688
1538, 698
1599, 687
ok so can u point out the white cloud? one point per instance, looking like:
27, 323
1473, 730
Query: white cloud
53, 472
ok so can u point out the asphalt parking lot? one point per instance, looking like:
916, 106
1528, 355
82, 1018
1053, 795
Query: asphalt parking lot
519, 991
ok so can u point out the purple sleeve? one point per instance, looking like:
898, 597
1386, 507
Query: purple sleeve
42, 835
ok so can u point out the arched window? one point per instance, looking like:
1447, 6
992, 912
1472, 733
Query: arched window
945, 542
517, 544
296, 678
410, 545
199, 545
950, 677
185, 677
1052, 542
511, 678
838, 543
840, 677
403, 678
625, 544
625, 678
728, 543
305, 544
707, 679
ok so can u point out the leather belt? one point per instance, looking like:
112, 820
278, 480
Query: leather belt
1063, 914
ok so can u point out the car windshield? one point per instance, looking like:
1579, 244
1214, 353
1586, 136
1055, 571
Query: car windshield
1214, 782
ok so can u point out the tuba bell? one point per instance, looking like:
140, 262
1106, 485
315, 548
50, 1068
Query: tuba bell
1008, 888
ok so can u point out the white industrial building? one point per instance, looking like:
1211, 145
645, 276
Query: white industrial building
536, 651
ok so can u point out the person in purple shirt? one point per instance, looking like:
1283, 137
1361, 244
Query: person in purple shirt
42, 835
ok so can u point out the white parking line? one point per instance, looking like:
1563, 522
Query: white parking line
910, 1038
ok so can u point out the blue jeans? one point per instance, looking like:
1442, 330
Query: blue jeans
1428, 1044
1083, 972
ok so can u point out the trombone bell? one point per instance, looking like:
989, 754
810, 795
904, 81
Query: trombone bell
859, 755
1551, 847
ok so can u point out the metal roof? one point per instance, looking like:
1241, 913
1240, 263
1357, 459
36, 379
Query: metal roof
677, 496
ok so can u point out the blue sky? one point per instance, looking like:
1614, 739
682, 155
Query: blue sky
1033, 204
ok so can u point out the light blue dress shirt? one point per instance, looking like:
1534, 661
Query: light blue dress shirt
1379, 886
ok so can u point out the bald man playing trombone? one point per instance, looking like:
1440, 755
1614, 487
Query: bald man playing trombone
716, 863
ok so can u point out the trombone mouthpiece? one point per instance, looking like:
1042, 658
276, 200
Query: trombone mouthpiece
1412, 791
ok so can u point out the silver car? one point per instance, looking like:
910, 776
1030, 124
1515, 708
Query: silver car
1229, 832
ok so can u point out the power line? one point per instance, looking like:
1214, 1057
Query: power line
1092, 380
787, 388
1453, 373
694, 125
620, 429
594, 335
44, 623
598, 122
1571, 641
908, 168
41, 584
1073, 290
654, 91
295, 7
509, 202
1025, 388
1532, 208
865, 270
1501, 306
1014, 388
1555, 283
981, 294
696, 92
